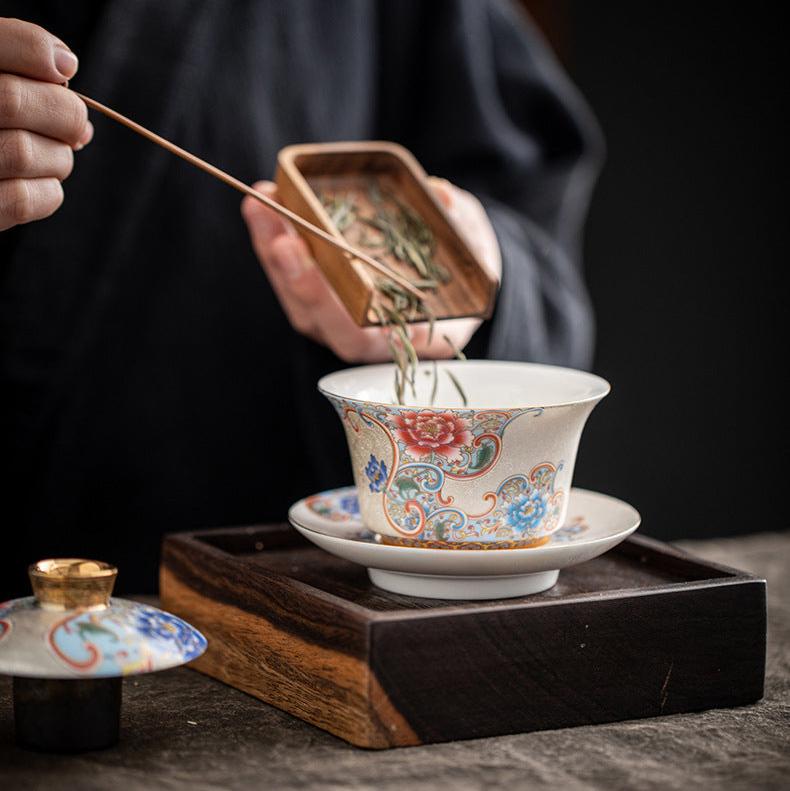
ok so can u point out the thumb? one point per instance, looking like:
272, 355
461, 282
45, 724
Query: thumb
263, 224
282, 254
30, 51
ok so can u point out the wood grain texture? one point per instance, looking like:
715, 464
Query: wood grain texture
643, 631
596, 661
302, 169
279, 640
325, 687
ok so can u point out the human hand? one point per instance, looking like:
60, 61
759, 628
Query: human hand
315, 310
41, 122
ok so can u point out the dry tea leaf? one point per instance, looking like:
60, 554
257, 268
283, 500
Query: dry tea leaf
395, 229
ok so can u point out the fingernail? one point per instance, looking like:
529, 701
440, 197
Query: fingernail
87, 136
290, 262
65, 62
266, 187
444, 195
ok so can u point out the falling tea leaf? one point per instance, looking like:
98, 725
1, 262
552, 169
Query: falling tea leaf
395, 229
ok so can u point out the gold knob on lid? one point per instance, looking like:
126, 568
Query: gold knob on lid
66, 583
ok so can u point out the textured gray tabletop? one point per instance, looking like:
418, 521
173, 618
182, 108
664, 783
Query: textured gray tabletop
183, 730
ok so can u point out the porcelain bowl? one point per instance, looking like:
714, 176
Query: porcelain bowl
494, 473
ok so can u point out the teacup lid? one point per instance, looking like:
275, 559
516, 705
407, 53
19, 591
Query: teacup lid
71, 628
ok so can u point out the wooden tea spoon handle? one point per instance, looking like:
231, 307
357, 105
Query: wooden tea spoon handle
247, 190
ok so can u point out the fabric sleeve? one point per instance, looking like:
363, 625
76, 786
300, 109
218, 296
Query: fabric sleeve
483, 102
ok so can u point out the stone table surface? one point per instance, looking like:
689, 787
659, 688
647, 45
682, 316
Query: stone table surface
184, 730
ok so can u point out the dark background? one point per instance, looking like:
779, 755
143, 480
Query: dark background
682, 257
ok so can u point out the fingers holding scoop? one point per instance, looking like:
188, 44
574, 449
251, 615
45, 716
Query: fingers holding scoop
41, 122
311, 305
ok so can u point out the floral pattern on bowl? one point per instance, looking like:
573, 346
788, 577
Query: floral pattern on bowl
429, 448
494, 468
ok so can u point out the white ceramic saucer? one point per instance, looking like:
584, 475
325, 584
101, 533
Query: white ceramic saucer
595, 524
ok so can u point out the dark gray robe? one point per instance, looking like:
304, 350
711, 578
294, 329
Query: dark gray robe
150, 380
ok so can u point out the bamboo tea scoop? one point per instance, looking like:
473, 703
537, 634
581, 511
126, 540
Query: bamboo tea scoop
247, 190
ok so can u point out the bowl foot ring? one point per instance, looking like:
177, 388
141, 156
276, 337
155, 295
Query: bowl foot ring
435, 586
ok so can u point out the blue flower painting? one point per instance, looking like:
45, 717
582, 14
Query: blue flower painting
377, 474
350, 504
526, 512
158, 624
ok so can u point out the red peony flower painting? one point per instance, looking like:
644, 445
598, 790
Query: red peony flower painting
425, 433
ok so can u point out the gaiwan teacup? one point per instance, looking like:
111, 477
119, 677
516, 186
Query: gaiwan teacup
492, 474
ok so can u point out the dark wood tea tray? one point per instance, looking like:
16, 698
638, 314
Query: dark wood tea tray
642, 631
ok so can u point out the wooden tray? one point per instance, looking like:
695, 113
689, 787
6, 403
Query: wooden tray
303, 171
642, 631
